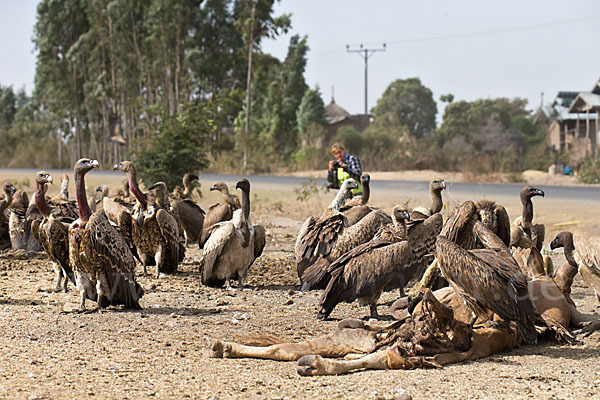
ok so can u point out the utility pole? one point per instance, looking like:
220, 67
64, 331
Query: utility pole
364, 53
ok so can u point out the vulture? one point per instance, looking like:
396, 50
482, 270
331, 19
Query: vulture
356, 207
316, 276
366, 271
118, 213
99, 256
582, 252
488, 279
63, 195
459, 226
435, 191
317, 237
19, 222
232, 246
154, 230
9, 190
189, 216
124, 195
523, 233
221, 211
52, 234
186, 192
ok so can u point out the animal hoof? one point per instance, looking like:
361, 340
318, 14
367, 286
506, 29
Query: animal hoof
214, 348
307, 365
351, 323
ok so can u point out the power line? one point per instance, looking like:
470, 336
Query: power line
365, 53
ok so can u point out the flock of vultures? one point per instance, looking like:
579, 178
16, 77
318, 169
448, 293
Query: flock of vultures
479, 284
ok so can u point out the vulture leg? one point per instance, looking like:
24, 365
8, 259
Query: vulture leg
374, 314
59, 275
240, 283
157, 257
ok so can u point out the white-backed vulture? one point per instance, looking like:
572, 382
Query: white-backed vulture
582, 252
523, 232
435, 192
189, 216
19, 223
118, 213
103, 265
221, 211
366, 271
317, 237
9, 190
186, 192
155, 232
356, 208
315, 276
52, 234
233, 246
63, 195
488, 279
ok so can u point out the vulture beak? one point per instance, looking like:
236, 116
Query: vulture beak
213, 187
98, 189
49, 179
196, 177
443, 184
539, 192
12, 189
95, 164
117, 167
554, 244
406, 215
237, 186
152, 187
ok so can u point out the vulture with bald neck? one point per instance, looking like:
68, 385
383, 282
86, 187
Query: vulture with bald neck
523, 232
233, 246
154, 230
487, 279
582, 252
103, 265
188, 214
9, 190
52, 234
366, 271
186, 192
221, 211
318, 236
356, 208
435, 192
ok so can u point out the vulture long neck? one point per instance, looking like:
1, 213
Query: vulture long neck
245, 205
85, 212
340, 198
40, 200
527, 209
187, 187
8, 198
569, 248
400, 224
135, 189
436, 201
64, 189
366, 193
126, 189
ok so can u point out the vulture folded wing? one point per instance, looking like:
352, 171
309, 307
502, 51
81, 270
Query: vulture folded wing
503, 224
169, 231
489, 239
260, 239
213, 248
587, 251
58, 245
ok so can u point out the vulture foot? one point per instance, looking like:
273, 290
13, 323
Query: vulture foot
588, 328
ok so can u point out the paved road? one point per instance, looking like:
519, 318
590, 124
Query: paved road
459, 189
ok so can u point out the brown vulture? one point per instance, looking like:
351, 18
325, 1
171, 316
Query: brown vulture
435, 192
63, 195
366, 271
488, 279
22, 214
356, 208
189, 216
52, 234
232, 246
154, 230
9, 190
103, 265
186, 192
523, 232
221, 211
582, 252
317, 237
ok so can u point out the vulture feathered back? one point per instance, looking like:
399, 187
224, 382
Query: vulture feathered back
435, 192
154, 230
317, 237
488, 279
103, 265
523, 232
233, 245
221, 211
366, 271
9, 190
582, 251
186, 192
356, 208
19, 223
52, 234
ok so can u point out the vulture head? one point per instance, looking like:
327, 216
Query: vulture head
530, 191
437, 185
65, 177
187, 177
400, 213
220, 186
43, 177
365, 179
562, 240
84, 165
9, 188
161, 193
348, 185
124, 166
243, 185
103, 190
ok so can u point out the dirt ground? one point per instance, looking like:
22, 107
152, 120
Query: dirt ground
159, 352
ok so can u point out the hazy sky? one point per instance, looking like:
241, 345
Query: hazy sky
470, 48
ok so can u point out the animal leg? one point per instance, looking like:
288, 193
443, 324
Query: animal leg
158, 258
240, 283
373, 309
59, 275
82, 302
66, 280
311, 365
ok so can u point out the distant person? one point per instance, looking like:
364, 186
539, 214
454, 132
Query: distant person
343, 167
567, 170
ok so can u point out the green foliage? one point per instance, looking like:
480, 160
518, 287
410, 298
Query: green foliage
311, 110
307, 190
178, 145
406, 102
589, 170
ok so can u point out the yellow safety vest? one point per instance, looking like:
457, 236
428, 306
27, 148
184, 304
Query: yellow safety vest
343, 175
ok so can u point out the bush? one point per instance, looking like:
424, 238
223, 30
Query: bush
589, 170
